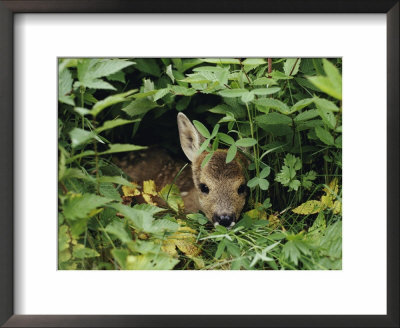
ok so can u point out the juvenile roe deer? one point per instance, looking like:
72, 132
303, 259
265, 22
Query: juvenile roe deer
220, 187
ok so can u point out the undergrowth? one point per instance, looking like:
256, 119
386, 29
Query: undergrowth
283, 114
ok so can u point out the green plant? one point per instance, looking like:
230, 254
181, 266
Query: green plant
284, 117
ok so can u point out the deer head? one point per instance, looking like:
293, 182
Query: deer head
221, 187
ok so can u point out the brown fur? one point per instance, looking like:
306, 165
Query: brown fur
223, 180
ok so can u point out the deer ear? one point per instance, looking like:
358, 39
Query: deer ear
191, 140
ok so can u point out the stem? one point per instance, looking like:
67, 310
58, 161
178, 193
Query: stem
96, 156
256, 162
269, 67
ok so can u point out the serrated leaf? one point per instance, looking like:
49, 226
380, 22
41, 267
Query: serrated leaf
151, 262
265, 91
274, 104
117, 228
221, 61
161, 93
168, 71
172, 196
247, 97
79, 136
81, 206
119, 148
116, 179
309, 207
307, 115
232, 93
139, 106
291, 66
324, 136
111, 100
273, 118
114, 123
301, 104
81, 252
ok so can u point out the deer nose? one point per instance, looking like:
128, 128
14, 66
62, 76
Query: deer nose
225, 220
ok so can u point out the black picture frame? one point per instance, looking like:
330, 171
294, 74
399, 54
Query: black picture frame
7, 199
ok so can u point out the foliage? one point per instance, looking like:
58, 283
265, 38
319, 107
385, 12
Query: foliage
285, 117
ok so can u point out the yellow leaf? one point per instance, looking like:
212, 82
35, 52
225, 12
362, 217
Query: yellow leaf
130, 191
333, 188
149, 199
184, 239
168, 246
149, 187
172, 196
327, 200
256, 214
198, 262
187, 247
309, 207
337, 207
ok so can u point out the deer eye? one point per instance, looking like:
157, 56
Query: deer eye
242, 189
204, 188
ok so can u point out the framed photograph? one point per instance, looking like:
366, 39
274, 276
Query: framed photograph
204, 165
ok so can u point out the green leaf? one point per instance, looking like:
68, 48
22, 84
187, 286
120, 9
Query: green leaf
203, 146
231, 153
65, 81
301, 104
117, 228
246, 142
307, 115
325, 104
206, 159
172, 196
119, 148
114, 123
168, 71
79, 137
139, 106
182, 91
117, 76
161, 94
254, 61
202, 129
111, 100
232, 93
331, 84
294, 185
225, 138
64, 238
265, 172
274, 104
247, 97
143, 220
252, 182
82, 206
90, 69
117, 180
82, 111
264, 184
159, 261
221, 61
265, 91
291, 66
324, 136
291, 252
81, 252
120, 256
273, 118
148, 65
95, 84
